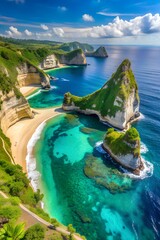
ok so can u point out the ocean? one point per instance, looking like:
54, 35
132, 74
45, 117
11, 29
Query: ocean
111, 205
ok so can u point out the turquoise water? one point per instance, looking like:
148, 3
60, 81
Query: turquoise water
71, 197
126, 209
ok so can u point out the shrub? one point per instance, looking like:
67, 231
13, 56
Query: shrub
71, 229
35, 232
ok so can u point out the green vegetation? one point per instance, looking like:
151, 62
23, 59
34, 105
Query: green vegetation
7, 143
70, 55
36, 232
76, 45
122, 143
9, 60
118, 88
71, 229
9, 208
11, 232
12, 180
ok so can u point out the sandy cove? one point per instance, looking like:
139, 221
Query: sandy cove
27, 90
21, 132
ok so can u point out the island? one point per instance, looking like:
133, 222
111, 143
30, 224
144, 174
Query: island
116, 103
124, 148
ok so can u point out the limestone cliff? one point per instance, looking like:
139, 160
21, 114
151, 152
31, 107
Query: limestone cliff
13, 109
116, 103
49, 62
75, 57
124, 148
100, 52
29, 74
16, 71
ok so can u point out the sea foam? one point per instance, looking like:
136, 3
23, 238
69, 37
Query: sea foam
34, 94
65, 80
33, 174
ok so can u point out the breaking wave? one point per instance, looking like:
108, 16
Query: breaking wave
33, 174
148, 167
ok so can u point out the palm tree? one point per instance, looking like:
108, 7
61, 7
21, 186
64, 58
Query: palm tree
10, 232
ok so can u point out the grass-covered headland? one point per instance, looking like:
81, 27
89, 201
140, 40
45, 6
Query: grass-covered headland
118, 88
123, 143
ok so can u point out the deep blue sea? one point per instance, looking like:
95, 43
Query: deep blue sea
68, 142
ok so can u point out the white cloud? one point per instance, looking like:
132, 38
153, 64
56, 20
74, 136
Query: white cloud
115, 14
28, 33
87, 18
59, 32
62, 8
17, 1
137, 26
13, 32
44, 27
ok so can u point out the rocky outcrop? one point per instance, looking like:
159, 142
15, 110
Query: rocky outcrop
15, 73
116, 103
49, 62
75, 57
29, 74
12, 110
100, 52
124, 148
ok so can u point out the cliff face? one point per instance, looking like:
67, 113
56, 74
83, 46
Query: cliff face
124, 148
28, 74
16, 71
12, 110
100, 52
49, 62
116, 103
75, 57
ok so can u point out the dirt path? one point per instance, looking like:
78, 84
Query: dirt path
6, 151
32, 217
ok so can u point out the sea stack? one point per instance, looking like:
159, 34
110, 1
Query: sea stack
124, 148
116, 103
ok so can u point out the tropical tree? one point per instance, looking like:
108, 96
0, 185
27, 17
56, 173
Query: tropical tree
10, 232
35, 232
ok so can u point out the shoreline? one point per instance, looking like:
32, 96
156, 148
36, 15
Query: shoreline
25, 129
28, 90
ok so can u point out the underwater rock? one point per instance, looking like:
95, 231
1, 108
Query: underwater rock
108, 177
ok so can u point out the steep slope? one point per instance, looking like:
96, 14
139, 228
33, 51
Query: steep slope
116, 103
75, 57
124, 148
100, 52
16, 71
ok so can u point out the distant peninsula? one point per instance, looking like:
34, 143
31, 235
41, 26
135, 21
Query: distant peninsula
116, 103
99, 53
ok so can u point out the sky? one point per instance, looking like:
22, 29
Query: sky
119, 22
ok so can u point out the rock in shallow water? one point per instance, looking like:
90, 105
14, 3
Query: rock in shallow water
108, 177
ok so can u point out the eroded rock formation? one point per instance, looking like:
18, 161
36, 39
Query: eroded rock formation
116, 103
